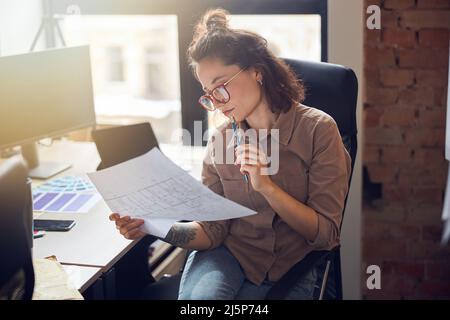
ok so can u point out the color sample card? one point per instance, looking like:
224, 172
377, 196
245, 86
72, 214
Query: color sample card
70, 194
66, 184
65, 202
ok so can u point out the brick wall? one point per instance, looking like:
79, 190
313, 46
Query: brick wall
405, 92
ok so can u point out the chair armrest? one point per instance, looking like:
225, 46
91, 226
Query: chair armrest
282, 287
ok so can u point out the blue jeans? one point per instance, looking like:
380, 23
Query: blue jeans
216, 275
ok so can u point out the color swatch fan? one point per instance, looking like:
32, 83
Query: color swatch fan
69, 194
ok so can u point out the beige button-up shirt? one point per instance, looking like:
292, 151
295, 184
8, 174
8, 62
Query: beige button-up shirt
314, 168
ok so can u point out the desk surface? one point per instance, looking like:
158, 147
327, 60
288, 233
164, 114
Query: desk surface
82, 277
94, 243
94, 240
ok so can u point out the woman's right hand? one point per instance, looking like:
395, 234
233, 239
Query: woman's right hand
129, 228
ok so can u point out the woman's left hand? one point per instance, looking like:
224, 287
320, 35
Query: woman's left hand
253, 161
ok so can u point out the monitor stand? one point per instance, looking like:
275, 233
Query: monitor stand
41, 170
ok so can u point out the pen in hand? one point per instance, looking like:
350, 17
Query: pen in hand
237, 141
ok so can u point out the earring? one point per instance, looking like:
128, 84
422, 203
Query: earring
260, 82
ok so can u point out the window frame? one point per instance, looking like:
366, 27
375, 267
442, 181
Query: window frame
190, 90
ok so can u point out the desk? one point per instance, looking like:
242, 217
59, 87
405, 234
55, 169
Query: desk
82, 277
94, 245
94, 240
56, 281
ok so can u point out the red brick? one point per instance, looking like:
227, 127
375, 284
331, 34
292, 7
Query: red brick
437, 270
372, 77
410, 269
399, 4
440, 97
381, 96
432, 233
429, 4
379, 57
380, 173
429, 195
394, 116
390, 212
434, 118
399, 38
425, 137
434, 38
374, 230
384, 249
371, 154
435, 289
397, 77
404, 231
378, 294
390, 19
432, 175
429, 156
396, 194
383, 136
425, 214
435, 78
417, 96
423, 58
372, 2
401, 285
372, 38
396, 155
418, 19
371, 117
427, 250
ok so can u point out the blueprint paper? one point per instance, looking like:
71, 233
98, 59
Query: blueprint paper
153, 188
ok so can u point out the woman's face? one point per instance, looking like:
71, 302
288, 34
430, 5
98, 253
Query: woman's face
245, 91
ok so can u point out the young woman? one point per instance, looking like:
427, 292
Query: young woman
299, 208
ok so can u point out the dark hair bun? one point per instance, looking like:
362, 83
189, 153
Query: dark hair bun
213, 20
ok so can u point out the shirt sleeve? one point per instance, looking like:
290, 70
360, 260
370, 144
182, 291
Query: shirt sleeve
216, 231
329, 175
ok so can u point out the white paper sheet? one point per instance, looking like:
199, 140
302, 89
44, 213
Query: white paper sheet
447, 129
153, 188
446, 207
446, 212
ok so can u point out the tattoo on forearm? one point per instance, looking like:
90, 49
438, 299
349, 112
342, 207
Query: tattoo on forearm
216, 229
180, 234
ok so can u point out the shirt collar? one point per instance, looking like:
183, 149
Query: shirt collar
284, 123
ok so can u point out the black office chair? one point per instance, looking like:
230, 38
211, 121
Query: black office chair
16, 267
334, 90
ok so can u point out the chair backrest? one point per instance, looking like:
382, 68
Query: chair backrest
333, 89
16, 267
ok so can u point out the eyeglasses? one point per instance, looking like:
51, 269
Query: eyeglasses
219, 94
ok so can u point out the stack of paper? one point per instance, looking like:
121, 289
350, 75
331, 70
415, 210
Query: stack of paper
52, 282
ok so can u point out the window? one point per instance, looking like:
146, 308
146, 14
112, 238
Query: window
115, 64
295, 36
301, 33
135, 68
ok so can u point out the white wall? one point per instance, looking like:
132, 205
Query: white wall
345, 46
19, 23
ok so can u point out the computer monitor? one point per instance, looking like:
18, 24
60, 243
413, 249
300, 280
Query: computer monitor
44, 94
